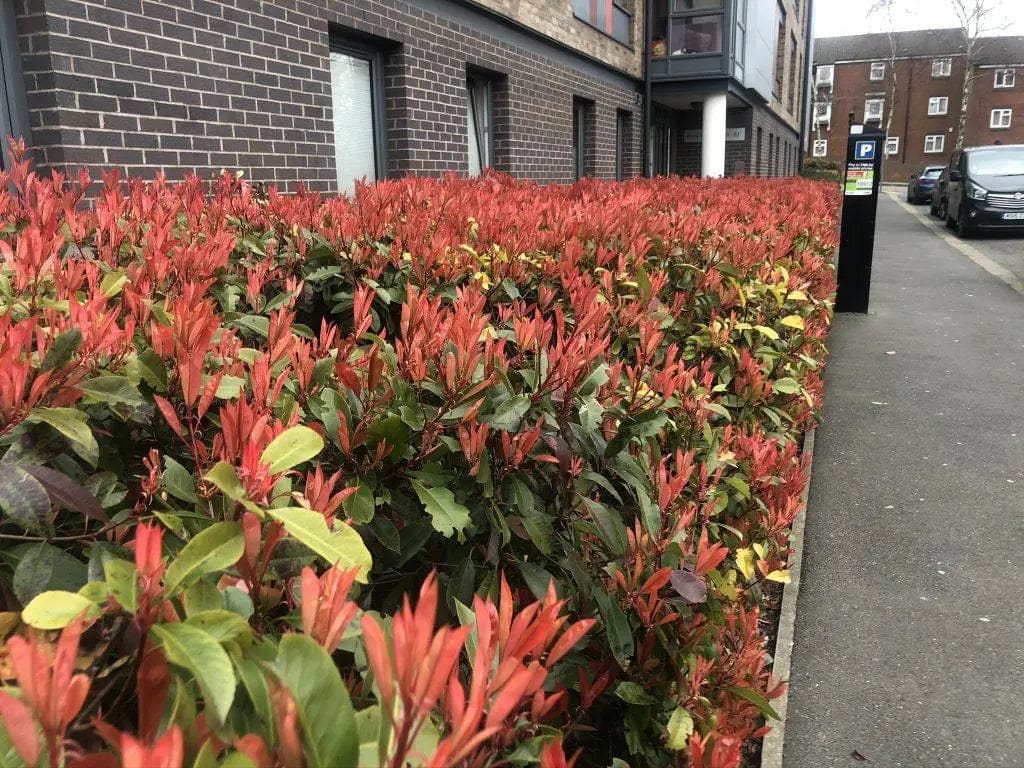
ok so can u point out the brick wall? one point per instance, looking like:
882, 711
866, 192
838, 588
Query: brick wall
200, 85
555, 19
908, 104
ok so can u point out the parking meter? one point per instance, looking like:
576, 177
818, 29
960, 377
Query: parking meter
864, 148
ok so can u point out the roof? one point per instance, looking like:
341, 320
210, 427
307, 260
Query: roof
920, 42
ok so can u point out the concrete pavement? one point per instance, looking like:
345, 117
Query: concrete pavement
909, 639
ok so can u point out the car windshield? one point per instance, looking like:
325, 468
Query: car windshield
931, 173
998, 161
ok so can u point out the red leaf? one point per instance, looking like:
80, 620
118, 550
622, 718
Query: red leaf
21, 728
172, 418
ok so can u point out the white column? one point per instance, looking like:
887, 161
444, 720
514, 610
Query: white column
712, 152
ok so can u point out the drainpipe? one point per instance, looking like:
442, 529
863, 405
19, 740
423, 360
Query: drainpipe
648, 110
808, 74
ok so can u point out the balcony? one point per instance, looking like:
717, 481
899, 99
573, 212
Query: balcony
690, 38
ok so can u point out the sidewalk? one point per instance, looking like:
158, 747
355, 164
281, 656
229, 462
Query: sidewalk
909, 642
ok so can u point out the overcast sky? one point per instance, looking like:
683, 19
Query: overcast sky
850, 17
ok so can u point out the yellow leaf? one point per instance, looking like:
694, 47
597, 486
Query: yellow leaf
780, 576
766, 331
796, 296
793, 321
759, 548
745, 562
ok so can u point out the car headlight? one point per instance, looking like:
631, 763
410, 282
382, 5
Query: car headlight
975, 192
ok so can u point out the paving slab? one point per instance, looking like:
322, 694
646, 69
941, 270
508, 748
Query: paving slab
909, 637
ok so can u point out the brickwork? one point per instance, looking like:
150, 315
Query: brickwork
199, 85
555, 19
907, 88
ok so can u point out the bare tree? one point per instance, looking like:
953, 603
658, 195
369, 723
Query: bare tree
976, 21
880, 8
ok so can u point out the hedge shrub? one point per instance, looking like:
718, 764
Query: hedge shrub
454, 472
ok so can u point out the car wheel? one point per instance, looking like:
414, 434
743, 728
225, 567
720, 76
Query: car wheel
932, 209
910, 197
963, 225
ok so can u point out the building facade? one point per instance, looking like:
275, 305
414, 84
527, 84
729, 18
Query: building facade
322, 93
911, 84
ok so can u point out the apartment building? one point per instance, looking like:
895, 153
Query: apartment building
911, 84
323, 93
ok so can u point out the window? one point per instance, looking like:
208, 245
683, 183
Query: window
793, 69
582, 130
942, 67
757, 152
479, 123
892, 145
820, 148
622, 142
355, 104
13, 109
739, 48
688, 27
877, 70
771, 154
873, 109
822, 112
824, 75
780, 52
938, 105
1004, 78
1000, 118
934, 143
607, 15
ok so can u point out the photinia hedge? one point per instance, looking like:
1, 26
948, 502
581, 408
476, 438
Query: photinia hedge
454, 472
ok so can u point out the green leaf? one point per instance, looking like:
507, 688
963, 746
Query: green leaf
610, 527
359, 506
293, 446
23, 499
537, 579
680, 726
122, 581
446, 515
179, 481
61, 350
342, 547
57, 609
620, 638
229, 387
755, 698
223, 625
215, 549
199, 652
786, 386
325, 713
73, 424
591, 412
223, 476
43, 567
113, 390
509, 414
633, 693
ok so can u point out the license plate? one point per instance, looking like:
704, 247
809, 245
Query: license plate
1015, 216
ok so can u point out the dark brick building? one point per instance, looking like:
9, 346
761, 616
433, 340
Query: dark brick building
911, 83
324, 92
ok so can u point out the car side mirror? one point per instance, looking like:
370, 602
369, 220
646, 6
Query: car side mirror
954, 175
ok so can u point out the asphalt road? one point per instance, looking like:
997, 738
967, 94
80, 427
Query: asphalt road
909, 637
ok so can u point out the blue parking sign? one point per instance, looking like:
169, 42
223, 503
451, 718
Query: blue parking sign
865, 150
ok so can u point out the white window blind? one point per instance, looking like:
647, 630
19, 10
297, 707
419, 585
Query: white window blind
355, 147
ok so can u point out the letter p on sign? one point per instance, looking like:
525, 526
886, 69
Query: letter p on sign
865, 150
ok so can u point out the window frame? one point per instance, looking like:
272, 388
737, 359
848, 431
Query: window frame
14, 120
944, 67
374, 54
895, 141
1004, 84
1007, 111
823, 143
622, 130
581, 10
871, 72
943, 100
874, 100
937, 147
831, 75
478, 84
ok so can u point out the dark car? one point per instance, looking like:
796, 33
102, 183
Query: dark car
938, 203
985, 188
919, 190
